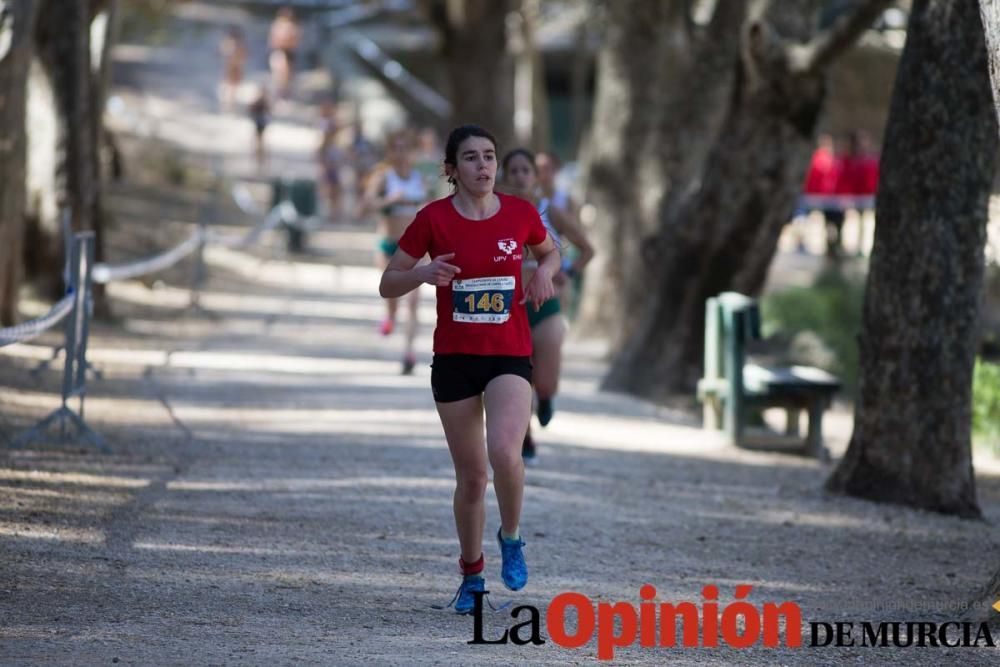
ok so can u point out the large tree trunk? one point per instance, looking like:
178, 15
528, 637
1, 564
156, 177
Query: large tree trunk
720, 232
480, 66
623, 122
912, 420
17, 25
990, 14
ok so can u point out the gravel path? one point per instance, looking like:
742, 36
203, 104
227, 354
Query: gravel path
278, 494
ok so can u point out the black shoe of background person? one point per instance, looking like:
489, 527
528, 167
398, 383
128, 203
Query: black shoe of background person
545, 411
408, 364
528, 450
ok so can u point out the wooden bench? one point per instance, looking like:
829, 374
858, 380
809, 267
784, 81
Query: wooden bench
732, 388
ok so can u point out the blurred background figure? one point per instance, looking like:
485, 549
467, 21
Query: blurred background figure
364, 160
283, 42
823, 179
260, 114
233, 50
397, 191
331, 159
859, 179
548, 165
429, 161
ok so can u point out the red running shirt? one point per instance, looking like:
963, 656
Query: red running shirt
480, 311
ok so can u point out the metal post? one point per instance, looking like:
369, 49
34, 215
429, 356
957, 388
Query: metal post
75, 370
198, 278
68, 275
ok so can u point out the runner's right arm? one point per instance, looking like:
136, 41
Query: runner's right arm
402, 276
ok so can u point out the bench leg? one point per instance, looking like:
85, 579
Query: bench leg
814, 438
712, 414
791, 421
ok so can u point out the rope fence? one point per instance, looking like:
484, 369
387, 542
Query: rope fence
76, 307
25, 331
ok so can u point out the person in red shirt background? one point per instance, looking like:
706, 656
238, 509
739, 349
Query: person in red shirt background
824, 168
859, 178
482, 345
824, 180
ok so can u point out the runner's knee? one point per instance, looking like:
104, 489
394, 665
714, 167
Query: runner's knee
471, 485
505, 449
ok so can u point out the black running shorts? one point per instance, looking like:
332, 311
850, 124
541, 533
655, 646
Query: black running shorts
455, 377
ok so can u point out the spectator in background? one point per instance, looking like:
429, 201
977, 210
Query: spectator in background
364, 158
859, 178
330, 159
260, 114
233, 50
822, 182
397, 191
823, 174
283, 42
428, 162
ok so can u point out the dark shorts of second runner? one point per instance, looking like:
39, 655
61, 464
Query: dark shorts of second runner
455, 377
547, 310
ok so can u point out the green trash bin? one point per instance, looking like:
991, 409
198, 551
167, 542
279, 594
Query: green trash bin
301, 194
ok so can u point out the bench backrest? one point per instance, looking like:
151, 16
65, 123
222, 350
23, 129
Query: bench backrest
731, 319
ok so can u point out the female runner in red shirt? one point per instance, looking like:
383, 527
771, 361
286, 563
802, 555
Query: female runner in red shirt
482, 345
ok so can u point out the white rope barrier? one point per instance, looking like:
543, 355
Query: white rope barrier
81, 273
36, 327
106, 273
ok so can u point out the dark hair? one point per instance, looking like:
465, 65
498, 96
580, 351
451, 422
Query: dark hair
455, 139
523, 152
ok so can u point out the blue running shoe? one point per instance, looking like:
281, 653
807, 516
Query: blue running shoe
513, 571
545, 411
464, 599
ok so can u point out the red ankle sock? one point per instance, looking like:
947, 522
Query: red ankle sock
472, 569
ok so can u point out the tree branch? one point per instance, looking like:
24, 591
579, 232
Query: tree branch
830, 43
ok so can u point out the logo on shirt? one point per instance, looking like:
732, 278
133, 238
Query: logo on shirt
507, 245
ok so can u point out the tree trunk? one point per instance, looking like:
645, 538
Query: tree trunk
17, 21
666, 149
623, 122
720, 232
912, 421
578, 81
64, 50
43, 247
106, 14
480, 67
990, 13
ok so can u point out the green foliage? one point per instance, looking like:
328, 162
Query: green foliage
986, 403
829, 311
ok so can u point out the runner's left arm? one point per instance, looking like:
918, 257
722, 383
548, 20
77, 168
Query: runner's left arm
540, 288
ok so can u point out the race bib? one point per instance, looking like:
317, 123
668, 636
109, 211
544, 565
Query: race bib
482, 300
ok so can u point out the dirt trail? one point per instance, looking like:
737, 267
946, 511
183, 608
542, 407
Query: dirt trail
277, 493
